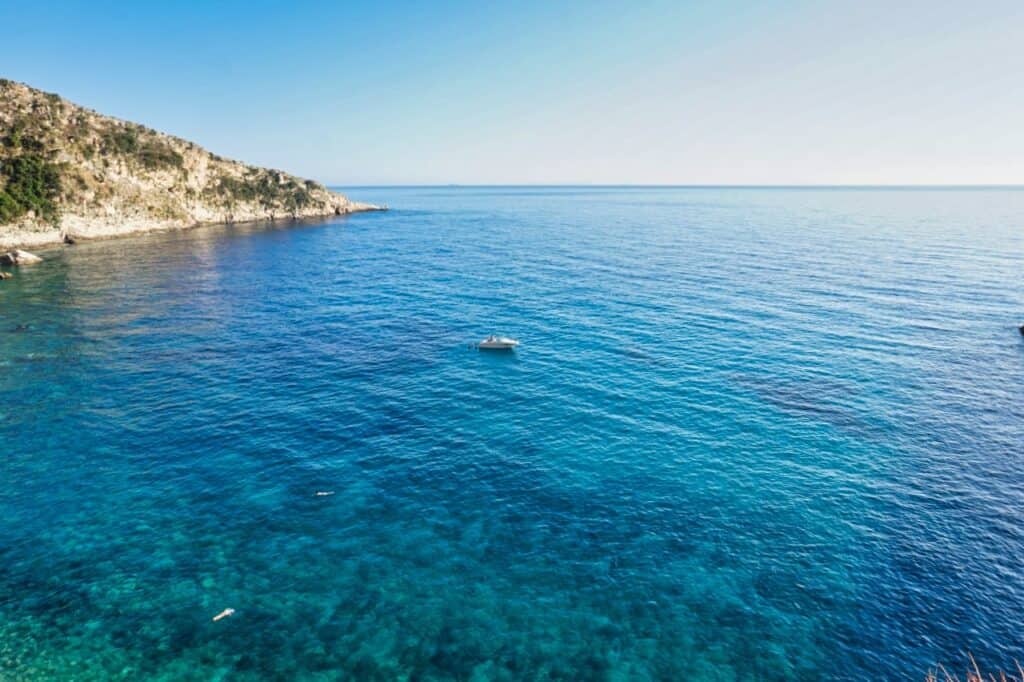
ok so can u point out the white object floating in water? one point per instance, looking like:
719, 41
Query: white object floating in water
223, 614
493, 342
324, 493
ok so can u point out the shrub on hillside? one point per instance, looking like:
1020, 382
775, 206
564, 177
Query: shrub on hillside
29, 183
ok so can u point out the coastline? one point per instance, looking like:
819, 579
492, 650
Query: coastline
68, 173
80, 228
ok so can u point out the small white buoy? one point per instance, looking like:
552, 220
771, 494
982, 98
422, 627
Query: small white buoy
223, 614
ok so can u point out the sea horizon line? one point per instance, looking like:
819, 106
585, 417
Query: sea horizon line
681, 186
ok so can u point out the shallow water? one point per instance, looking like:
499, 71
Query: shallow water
750, 434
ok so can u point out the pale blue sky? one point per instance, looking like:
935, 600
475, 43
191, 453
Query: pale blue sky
541, 92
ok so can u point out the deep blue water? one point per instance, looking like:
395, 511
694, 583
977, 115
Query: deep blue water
750, 434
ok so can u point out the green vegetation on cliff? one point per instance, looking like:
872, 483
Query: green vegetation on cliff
268, 188
131, 144
30, 184
28, 181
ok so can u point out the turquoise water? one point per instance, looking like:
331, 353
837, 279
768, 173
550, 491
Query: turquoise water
750, 434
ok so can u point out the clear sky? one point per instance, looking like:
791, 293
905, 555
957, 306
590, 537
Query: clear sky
725, 92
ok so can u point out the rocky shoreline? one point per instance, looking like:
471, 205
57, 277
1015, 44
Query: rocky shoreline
74, 228
12, 245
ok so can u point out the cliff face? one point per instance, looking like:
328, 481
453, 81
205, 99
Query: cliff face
67, 170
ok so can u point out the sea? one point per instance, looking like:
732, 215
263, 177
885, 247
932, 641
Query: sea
749, 434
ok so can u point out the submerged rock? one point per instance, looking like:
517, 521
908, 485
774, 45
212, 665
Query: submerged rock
5, 275
19, 257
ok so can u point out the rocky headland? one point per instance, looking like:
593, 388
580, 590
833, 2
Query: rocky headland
69, 173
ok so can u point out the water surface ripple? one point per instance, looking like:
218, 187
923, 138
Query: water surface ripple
750, 434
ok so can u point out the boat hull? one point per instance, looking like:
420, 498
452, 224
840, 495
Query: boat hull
496, 346
499, 343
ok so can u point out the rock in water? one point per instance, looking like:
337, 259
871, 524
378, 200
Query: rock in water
19, 257
5, 275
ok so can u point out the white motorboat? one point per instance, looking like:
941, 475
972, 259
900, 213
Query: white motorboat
493, 342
